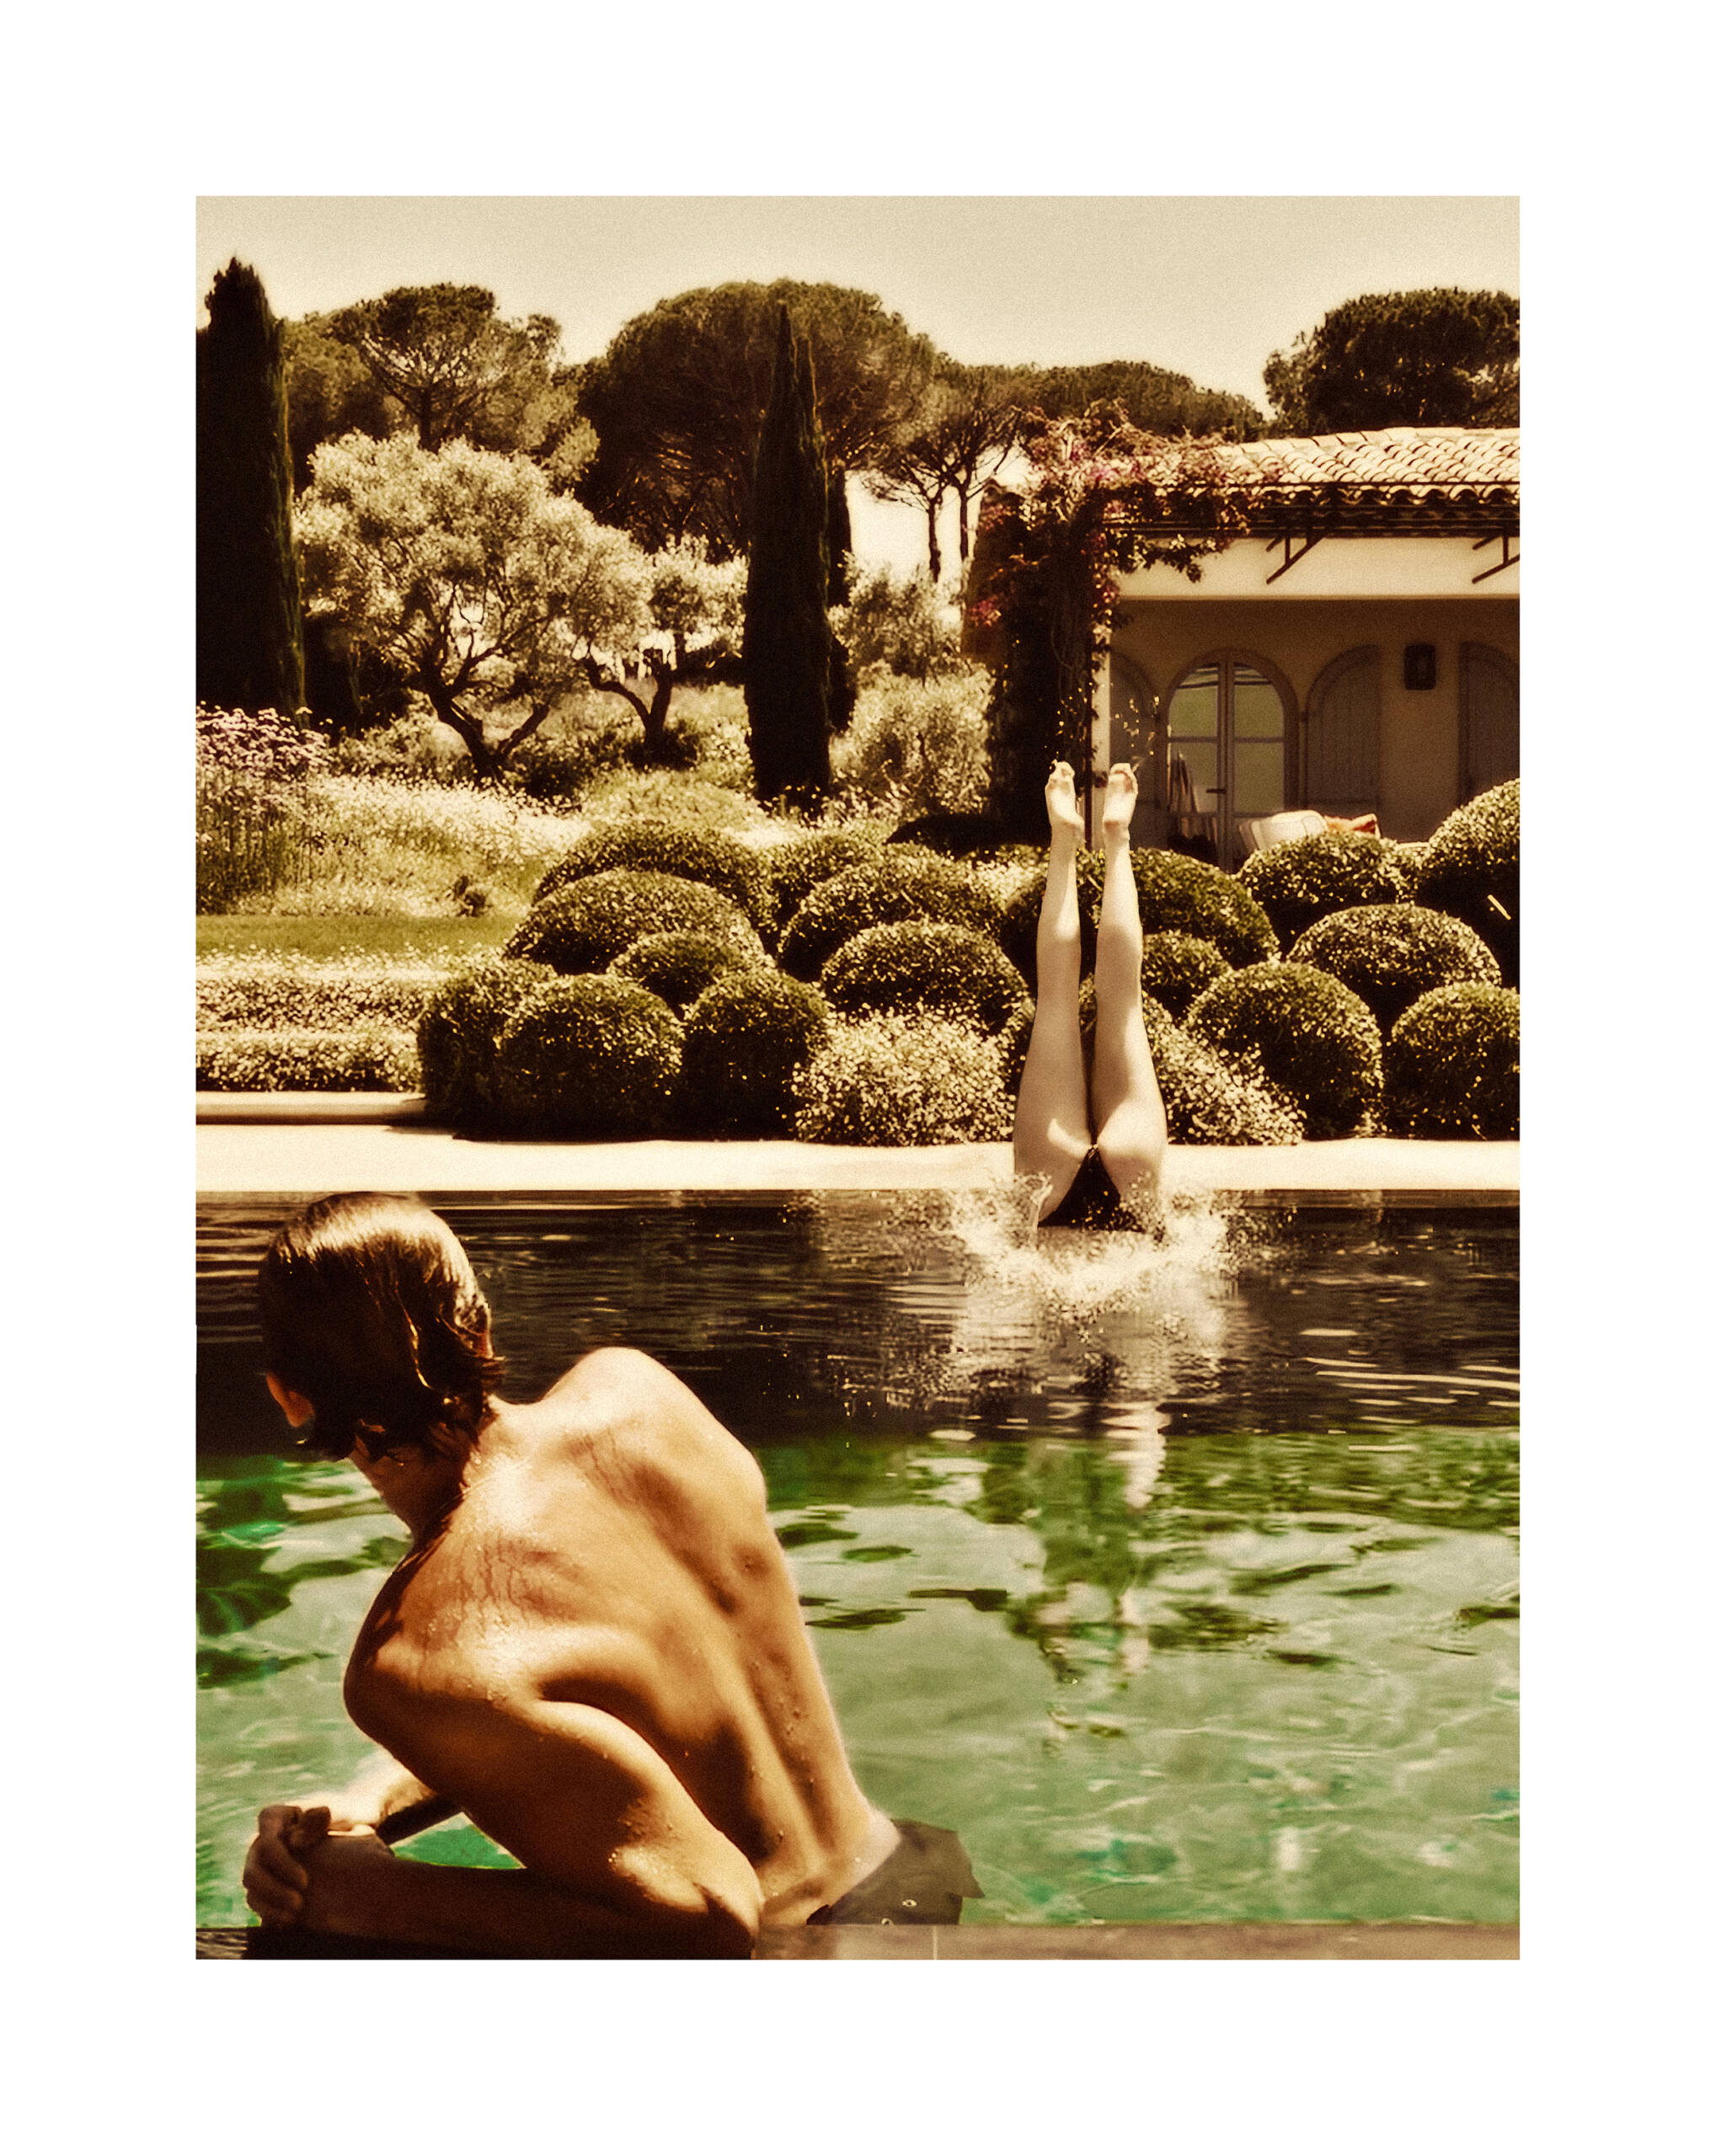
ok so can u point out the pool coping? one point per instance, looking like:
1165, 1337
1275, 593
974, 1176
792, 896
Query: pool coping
1424, 1941
257, 1144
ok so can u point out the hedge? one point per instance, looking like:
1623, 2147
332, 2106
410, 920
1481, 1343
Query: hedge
589, 1056
305, 1059
262, 990
904, 1082
1175, 894
748, 1038
1389, 956
1451, 1066
459, 1033
1299, 882
1470, 868
1313, 1040
903, 884
584, 927
727, 865
928, 966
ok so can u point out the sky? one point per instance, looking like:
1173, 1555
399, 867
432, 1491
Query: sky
1207, 285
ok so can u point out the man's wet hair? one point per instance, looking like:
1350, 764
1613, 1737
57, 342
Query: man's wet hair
370, 1310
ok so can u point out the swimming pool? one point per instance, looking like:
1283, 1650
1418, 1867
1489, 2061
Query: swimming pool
1183, 1581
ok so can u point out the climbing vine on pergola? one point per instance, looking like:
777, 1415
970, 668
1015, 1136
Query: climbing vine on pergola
1103, 498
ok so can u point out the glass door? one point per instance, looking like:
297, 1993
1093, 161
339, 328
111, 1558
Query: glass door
1227, 755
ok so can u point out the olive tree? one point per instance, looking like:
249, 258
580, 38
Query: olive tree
461, 570
696, 615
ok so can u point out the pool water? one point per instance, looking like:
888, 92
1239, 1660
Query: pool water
1181, 1579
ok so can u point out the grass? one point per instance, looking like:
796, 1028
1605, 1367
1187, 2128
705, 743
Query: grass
368, 935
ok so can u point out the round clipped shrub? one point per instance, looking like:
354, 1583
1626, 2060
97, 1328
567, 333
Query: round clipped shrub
1389, 956
924, 965
796, 867
1178, 967
901, 883
584, 927
460, 1031
1299, 882
680, 963
589, 1056
904, 1082
726, 864
1211, 1101
748, 1037
1452, 1067
1406, 858
1174, 894
1313, 1037
1470, 868
961, 832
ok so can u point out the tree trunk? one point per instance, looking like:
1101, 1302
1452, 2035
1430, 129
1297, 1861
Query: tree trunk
935, 542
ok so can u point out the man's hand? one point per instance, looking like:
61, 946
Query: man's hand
275, 1881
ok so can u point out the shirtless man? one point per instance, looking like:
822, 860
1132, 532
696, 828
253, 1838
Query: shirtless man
593, 1648
1112, 1178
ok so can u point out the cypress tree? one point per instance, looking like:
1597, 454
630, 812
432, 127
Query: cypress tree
787, 649
249, 628
842, 679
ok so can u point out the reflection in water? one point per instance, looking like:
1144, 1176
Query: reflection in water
1181, 1576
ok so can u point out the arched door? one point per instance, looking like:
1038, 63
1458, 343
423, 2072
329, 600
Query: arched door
1489, 718
1343, 733
1227, 727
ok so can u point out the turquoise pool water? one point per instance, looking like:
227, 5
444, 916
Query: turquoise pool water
1183, 1582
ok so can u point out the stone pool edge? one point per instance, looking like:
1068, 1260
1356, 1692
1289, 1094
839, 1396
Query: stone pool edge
278, 1143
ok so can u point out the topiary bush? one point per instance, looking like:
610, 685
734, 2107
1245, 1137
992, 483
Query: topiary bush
904, 1082
748, 1038
1451, 1066
797, 867
901, 883
1313, 1039
306, 1059
1212, 1101
589, 1056
1016, 931
680, 963
1406, 858
726, 864
966, 834
583, 927
1299, 882
924, 965
1178, 967
1389, 956
460, 1031
1471, 869
1175, 894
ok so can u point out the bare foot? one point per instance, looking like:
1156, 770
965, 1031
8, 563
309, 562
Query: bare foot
1062, 801
1118, 804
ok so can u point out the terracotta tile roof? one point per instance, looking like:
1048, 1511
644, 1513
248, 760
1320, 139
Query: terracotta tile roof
1455, 479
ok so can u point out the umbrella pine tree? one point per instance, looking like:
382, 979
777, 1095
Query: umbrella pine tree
249, 628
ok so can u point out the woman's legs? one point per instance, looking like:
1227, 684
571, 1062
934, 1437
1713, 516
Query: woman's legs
1052, 1124
1125, 1102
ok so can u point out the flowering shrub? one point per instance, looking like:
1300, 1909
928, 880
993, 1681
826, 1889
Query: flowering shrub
1313, 1040
590, 1056
302, 1059
585, 927
250, 771
726, 864
747, 1039
918, 748
259, 989
1470, 868
1452, 1067
1391, 955
1299, 882
929, 966
904, 1082
458, 1036
1178, 967
680, 963
900, 884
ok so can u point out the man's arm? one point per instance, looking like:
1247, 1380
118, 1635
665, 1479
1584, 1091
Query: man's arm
617, 1858
274, 1877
